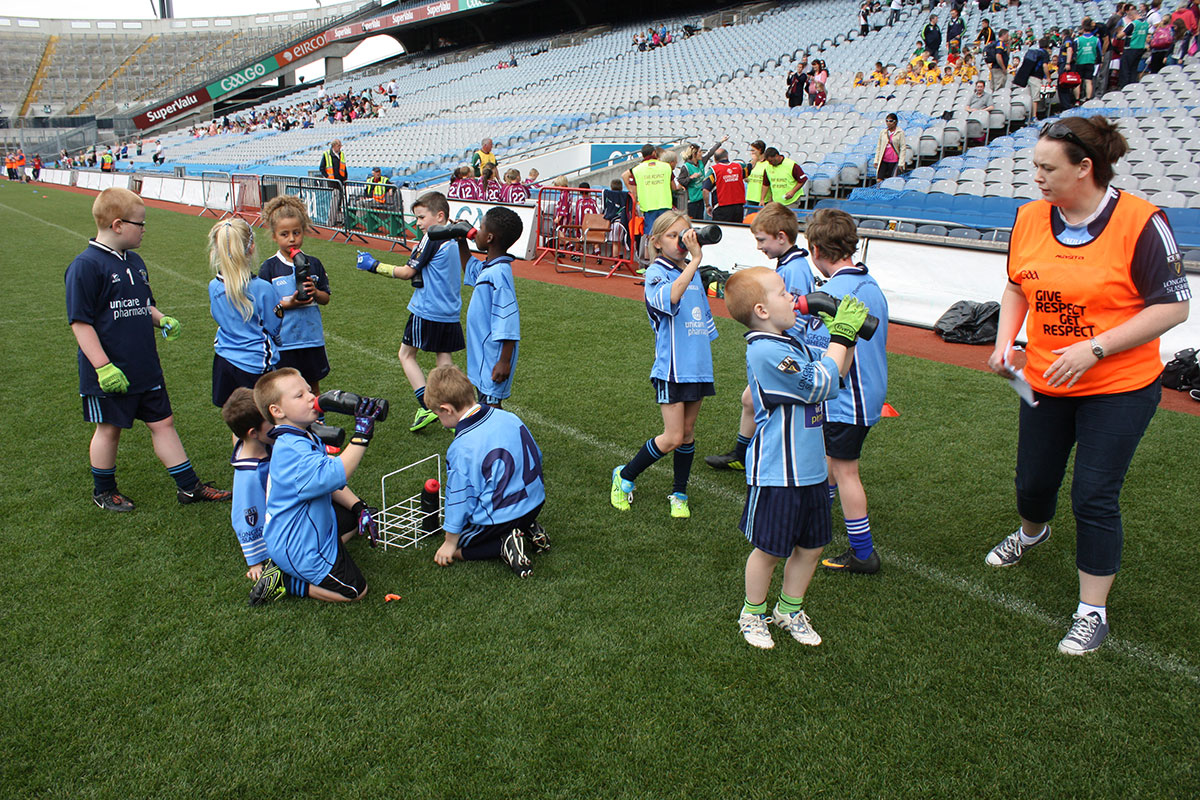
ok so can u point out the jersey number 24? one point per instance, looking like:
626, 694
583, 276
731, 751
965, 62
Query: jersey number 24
531, 469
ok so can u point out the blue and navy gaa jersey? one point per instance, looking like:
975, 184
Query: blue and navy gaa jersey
251, 344
682, 331
860, 402
797, 276
111, 292
301, 326
440, 299
789, 383
301, 528
492, 319
250, 503
493, 472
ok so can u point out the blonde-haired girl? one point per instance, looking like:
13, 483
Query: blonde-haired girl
682, 374
242, 305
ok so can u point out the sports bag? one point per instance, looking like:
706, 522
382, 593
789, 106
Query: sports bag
1163, 38
1182, 373
968, 322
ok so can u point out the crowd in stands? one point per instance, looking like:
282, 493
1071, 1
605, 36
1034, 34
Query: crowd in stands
652, 38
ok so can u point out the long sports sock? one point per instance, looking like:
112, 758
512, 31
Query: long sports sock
420, 393
789, 604
859, 533
754, 608
104, 480
739, 449
644, 459
184, 475
683, 465
832, 488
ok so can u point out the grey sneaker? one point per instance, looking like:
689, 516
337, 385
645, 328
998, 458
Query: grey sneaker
1010, 549
756, 631
798, 625
1086, 635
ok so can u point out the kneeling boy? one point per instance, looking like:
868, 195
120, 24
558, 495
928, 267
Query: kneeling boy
302, 521
494, 487
787, 511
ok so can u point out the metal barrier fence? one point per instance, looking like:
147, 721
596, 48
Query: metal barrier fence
321, 196
377, 210
577, 233
218, 194
247, 198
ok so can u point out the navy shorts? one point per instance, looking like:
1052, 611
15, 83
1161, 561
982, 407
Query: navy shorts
122, 409
666, 392
345, 578
844, 440
778, 519
434, 337
310, 361
1086, 71
488, 399
485, 544
226, 377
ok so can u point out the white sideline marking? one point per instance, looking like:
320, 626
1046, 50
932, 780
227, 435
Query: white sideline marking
1151, 657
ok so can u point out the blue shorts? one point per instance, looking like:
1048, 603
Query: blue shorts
844, 440
311, 362
778, 519
666, 392
122, 409
226, 377
434, 337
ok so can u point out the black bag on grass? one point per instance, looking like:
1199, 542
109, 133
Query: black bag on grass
968, 322
1182, 373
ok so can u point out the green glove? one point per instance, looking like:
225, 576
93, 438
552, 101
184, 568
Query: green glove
111, 379
843, 326
171, 328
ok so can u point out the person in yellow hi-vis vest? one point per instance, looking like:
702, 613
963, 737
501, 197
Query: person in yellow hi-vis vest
651, 185
783, 180
484, 157
756, 169
333, 163
380, 186
107, 161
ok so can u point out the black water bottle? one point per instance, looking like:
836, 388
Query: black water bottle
303, 274
328, 434
814, 302
429, 506
339, 402
708, 234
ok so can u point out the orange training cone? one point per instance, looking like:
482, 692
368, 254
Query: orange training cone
888, 411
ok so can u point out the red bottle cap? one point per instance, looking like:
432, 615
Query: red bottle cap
432, 485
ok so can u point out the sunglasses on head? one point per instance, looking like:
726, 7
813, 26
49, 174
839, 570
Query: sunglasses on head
1059, 131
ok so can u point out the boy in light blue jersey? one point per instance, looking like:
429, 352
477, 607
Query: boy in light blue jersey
833, 237
787, 513
493, 319
434, 325
494, 487
310, 512
775, 229
251, 461
682, 375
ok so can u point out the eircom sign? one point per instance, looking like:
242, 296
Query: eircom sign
171, 109
303, 49
250, 74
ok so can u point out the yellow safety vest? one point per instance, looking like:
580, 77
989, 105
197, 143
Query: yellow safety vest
754, 183
782, 182
653, 181
329, 166
379, 190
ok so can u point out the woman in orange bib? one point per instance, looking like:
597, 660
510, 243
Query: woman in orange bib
1097, 277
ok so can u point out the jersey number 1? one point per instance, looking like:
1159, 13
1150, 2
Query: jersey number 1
532, 468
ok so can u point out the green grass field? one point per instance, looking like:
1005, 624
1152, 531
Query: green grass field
133, 667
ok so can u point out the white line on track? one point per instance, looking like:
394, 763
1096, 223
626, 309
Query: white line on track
1147, 655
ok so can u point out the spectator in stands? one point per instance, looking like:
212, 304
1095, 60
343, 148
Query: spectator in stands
864, 18
1110, 260
931, 36
986, 34
783, 179
880, 74
333, 163
889, 150
1162, 42
819, 73
817, 95
391, 91
896, 7
1187, 14
1087, 55
956, 28
981, 99
797, 84
725, 188
108, 163
1032, 70
678, 193
995, 55
159, 154
1134, 34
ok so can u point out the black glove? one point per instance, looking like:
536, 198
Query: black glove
365, 414
367, 524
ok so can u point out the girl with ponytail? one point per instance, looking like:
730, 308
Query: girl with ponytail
241, 305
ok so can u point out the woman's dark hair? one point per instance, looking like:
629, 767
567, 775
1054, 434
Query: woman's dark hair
1101, 141
759, 145
891, 117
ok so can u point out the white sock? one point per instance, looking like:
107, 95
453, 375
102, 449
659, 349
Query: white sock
1085, 609
1026, 540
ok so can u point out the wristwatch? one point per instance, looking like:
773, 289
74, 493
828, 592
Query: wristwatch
1097, 350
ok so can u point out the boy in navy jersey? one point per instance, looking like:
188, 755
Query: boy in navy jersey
833, 237
494, 487
113, 316
310, 512
787, 510
775, 229
434, 325
493, 320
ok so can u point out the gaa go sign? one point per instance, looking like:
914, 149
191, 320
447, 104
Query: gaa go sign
249, 75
